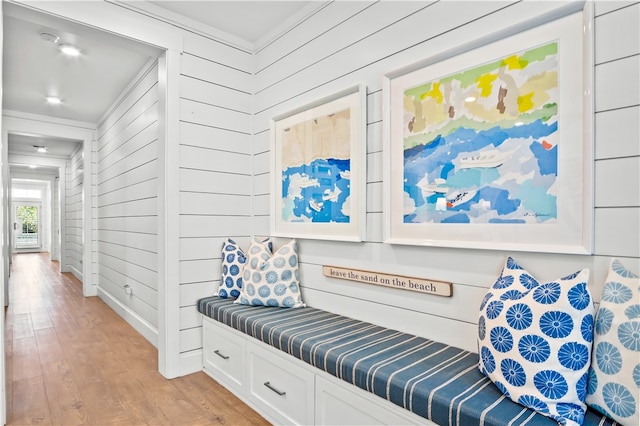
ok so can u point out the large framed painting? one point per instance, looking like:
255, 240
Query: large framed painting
491, 148
318, 177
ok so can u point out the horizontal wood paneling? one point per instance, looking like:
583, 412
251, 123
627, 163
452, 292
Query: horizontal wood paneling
207, 181
142, 156
363, 54
617, 231
215, 116
191, 293
215, 169
141, 131
337, 13
214, 160
148, 242
126, 203
602, 7
618, 182
617, 133
74, 215
617, 84
143, 275
619, 34
214, 226
359, 23
213, 204
195, 271
213, 94
205, 136
144, 172
215, 72
216, 51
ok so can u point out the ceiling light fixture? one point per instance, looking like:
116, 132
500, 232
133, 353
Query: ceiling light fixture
41, 149
69, 50
33, 166
53, 100
51, 38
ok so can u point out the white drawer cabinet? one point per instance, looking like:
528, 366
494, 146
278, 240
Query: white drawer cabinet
285, 390
224, 354
280, 387
340, 404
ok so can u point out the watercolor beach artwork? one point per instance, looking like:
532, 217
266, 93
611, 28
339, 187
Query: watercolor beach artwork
490, 146
317, 169
480, 146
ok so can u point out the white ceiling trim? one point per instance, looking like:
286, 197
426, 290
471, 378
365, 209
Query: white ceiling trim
47, 119
208, 31
180, 21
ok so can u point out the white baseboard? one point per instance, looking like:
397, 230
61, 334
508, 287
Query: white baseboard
189, 363
75, 272
142, 326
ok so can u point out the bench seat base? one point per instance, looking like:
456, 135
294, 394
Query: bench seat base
425, 379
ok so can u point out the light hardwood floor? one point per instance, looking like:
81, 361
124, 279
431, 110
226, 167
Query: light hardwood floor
72, 360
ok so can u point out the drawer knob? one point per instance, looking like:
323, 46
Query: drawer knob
217, 352
270, 386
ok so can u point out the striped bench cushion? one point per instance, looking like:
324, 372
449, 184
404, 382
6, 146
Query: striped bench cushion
439, 382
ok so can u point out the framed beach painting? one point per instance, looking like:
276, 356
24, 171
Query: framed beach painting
318, 177
490, 147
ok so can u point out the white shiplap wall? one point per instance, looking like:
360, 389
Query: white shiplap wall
215, 172
55, 221
74, 218
347, 43
126, 204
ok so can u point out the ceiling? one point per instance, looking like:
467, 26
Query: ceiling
20, 144
89, 84
248, 20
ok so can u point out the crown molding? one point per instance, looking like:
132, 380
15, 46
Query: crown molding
181, 21
188, 24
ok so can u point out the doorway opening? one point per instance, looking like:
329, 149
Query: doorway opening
26, 226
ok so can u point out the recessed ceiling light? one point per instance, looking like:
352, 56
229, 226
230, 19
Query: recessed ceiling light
33, 166
69, 50
42, 149
51, 38
53, 100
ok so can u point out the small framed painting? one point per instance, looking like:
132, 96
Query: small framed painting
318, 177
491, 148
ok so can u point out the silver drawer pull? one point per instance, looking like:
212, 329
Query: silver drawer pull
217, 352
270, 386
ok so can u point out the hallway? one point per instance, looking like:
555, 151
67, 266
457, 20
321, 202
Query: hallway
72, 360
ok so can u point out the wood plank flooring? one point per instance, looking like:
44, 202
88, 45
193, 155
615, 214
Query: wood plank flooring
72, 360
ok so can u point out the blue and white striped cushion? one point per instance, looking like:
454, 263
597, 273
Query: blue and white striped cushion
433, 380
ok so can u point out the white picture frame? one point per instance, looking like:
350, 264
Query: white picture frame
318, 169
409, 172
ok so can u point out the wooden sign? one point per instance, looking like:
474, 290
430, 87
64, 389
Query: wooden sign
439, 288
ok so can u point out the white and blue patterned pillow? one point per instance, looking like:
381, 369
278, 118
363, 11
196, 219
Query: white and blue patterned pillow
534, 341
614, 377
275, 282
233, 261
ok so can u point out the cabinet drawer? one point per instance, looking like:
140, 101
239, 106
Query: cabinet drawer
223, 354
280, 387
339, 403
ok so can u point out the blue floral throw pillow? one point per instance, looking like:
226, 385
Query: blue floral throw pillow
534, 341
614, 376
275, 282
233, 261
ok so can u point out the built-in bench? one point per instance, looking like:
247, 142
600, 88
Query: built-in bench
430, 379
